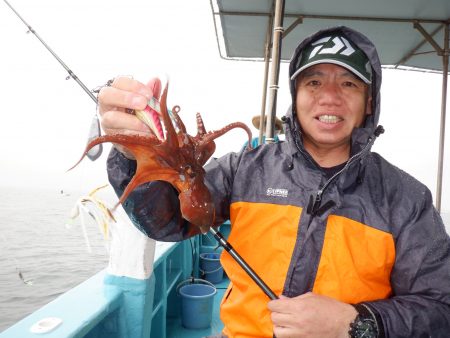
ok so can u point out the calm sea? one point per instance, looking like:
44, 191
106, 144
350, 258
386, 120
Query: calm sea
51, 257
35, 241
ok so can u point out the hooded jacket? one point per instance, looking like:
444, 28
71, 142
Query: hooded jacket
369, 234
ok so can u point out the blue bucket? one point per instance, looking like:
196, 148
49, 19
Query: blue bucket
197, 305
210, 267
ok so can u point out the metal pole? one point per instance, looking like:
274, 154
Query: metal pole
227, 246
266, 76
445, 58
276, 54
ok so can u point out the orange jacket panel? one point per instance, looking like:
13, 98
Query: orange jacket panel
355, 263
261, 233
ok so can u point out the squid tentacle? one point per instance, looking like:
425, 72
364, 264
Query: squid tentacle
200, 125
171, 135
120, 139
210, 136
178, 121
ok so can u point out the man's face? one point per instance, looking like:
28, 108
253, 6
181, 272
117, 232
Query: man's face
331, 101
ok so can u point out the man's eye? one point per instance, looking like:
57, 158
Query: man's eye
350, 84
313, 83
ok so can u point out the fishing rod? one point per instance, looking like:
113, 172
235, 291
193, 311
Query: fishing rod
244, 265
94, 130
155, 105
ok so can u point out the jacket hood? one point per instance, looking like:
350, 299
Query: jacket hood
360, 136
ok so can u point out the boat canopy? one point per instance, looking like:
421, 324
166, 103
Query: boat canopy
400, 29
412, 34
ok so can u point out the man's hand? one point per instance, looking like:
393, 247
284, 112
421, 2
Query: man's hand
115, 104
311, 315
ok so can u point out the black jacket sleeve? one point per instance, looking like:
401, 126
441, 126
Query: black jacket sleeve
420, 305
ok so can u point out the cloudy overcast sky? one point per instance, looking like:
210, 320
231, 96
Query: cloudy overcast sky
45, 119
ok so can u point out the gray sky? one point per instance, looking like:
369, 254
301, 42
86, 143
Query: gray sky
46, 118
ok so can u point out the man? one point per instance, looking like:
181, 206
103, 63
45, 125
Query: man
352, 244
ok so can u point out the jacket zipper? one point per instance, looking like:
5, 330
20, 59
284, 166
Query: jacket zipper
314, 206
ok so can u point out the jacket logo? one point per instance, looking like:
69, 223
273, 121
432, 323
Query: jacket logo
338, 44
277, 192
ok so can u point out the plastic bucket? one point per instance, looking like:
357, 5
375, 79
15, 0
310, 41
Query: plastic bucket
197, 305
210, 267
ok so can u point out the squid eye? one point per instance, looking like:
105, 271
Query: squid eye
189, 171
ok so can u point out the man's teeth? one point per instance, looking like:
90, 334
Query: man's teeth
329, 119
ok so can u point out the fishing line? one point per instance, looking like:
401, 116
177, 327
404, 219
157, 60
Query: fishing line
94, 130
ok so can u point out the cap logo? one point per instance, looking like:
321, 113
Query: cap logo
335, 49
341, 46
